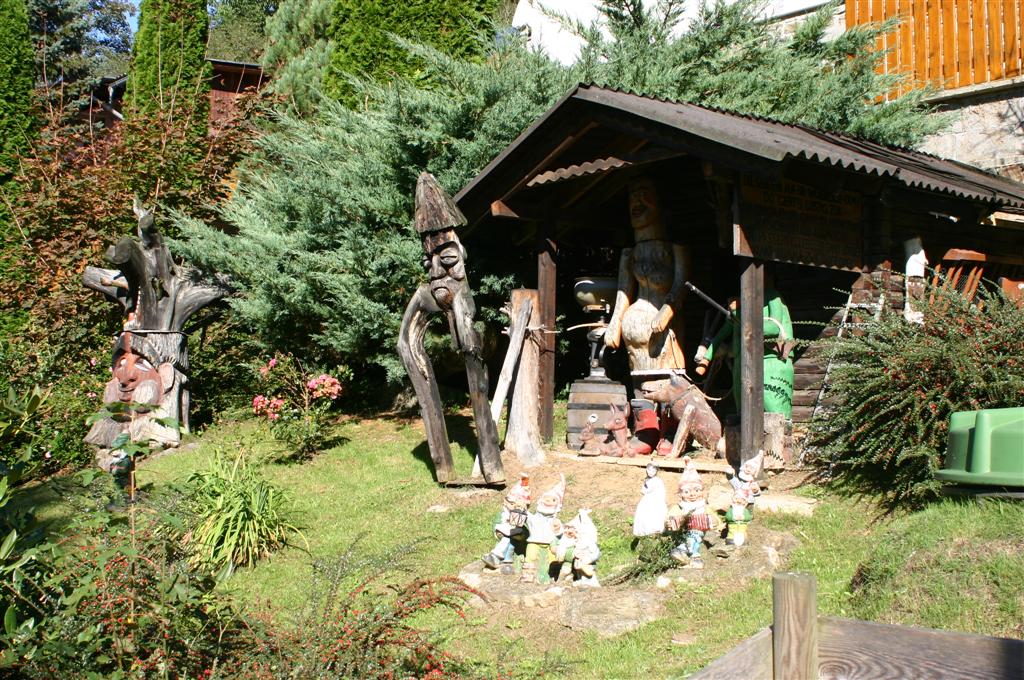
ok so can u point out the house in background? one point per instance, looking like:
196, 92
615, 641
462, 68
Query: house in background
230, 80
970, 51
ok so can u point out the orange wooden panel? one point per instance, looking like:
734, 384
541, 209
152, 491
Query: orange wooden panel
995, 40
950, 53
851, 13
1013, 15
919, 26
979, 62
890, 38
877, 14
934, 15
905, 60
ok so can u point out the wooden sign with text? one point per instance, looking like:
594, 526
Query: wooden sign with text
787, 221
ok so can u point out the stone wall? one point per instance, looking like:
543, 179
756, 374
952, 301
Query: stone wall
987, 127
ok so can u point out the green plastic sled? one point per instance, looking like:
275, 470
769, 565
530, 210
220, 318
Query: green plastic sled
985, 447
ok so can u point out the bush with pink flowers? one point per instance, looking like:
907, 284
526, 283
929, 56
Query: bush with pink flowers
296, 402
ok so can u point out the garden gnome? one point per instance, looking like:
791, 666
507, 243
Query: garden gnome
746, 479
738, 516
649, 518
510, 527
544, 529
690, 515
914, 283
446, 293
652, 273
579, 549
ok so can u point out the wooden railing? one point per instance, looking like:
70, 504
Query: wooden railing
948, 43
800, 645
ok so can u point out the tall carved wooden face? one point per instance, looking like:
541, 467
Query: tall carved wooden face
444, 259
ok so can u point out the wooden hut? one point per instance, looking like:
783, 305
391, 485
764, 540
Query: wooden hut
822, 211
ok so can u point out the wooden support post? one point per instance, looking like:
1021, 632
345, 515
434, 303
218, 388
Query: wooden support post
794, 626
519, 321
751, 359
547, 251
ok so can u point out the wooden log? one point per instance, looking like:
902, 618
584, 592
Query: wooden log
751, 359
806, 397
518, 323
808, 381
852, 650
750, 660
523, 435
489, 457
794, 626
546, 279
803, 414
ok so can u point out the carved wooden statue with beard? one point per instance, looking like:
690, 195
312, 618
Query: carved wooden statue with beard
150, 363
447, 293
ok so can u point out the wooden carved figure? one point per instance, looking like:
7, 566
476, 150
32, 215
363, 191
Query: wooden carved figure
510, 527
651, 289
618, 428
150, 361
446, 293
690, 515
687, 405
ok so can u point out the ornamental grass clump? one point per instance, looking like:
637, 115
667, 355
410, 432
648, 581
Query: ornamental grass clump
238, 516
897, 383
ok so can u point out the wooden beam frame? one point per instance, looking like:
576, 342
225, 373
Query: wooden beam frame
547, 252
751, 358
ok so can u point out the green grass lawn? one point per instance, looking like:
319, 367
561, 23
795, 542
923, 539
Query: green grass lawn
955, 565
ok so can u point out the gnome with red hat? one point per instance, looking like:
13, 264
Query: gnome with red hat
544, 529
510, 527
691, 515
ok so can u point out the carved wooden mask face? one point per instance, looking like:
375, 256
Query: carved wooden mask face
643, 206
137, 380
444, 260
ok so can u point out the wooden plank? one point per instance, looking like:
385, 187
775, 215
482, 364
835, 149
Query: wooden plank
890, 38
795, 626
1012, 19
751, 359
803, 414
808, 381
905, 56
674, 464
995, 40
805, 397
517, 328
547, 251
934, 15
751, 660
960, 69
854, 650
877, 15
979, 61
523, 434
948, 58
919, 24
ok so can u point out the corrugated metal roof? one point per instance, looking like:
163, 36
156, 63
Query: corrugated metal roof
581, 170
776, 141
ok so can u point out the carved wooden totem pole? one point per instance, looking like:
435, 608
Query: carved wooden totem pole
446, 293
150, 361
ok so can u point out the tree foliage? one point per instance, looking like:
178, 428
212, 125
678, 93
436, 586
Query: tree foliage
169, 59
77, 40
298, 51
16, 100
898, 384
362, 31
237, 29
320, 238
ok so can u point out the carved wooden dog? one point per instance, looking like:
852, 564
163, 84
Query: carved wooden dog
691, 409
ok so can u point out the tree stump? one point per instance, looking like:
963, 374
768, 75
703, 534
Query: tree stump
522, 436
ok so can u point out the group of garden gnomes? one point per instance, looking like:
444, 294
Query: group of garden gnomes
540, 540
690, 515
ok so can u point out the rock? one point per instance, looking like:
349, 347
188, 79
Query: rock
785, 503
683, 639
774, 559
438, 508
663, 582
609, 612
472, 580
473, 493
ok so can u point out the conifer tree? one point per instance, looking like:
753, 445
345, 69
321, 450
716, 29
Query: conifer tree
362, 31
16, 96
298, 51
169, 56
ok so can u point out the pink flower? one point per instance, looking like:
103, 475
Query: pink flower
259, 404
324, 386
90, 394
264, 370
92, 361
273, 362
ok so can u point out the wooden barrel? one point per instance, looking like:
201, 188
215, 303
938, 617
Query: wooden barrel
592, 395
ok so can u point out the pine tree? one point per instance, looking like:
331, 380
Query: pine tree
298, 51
169, 57
237, 29
16, 95
362, 31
